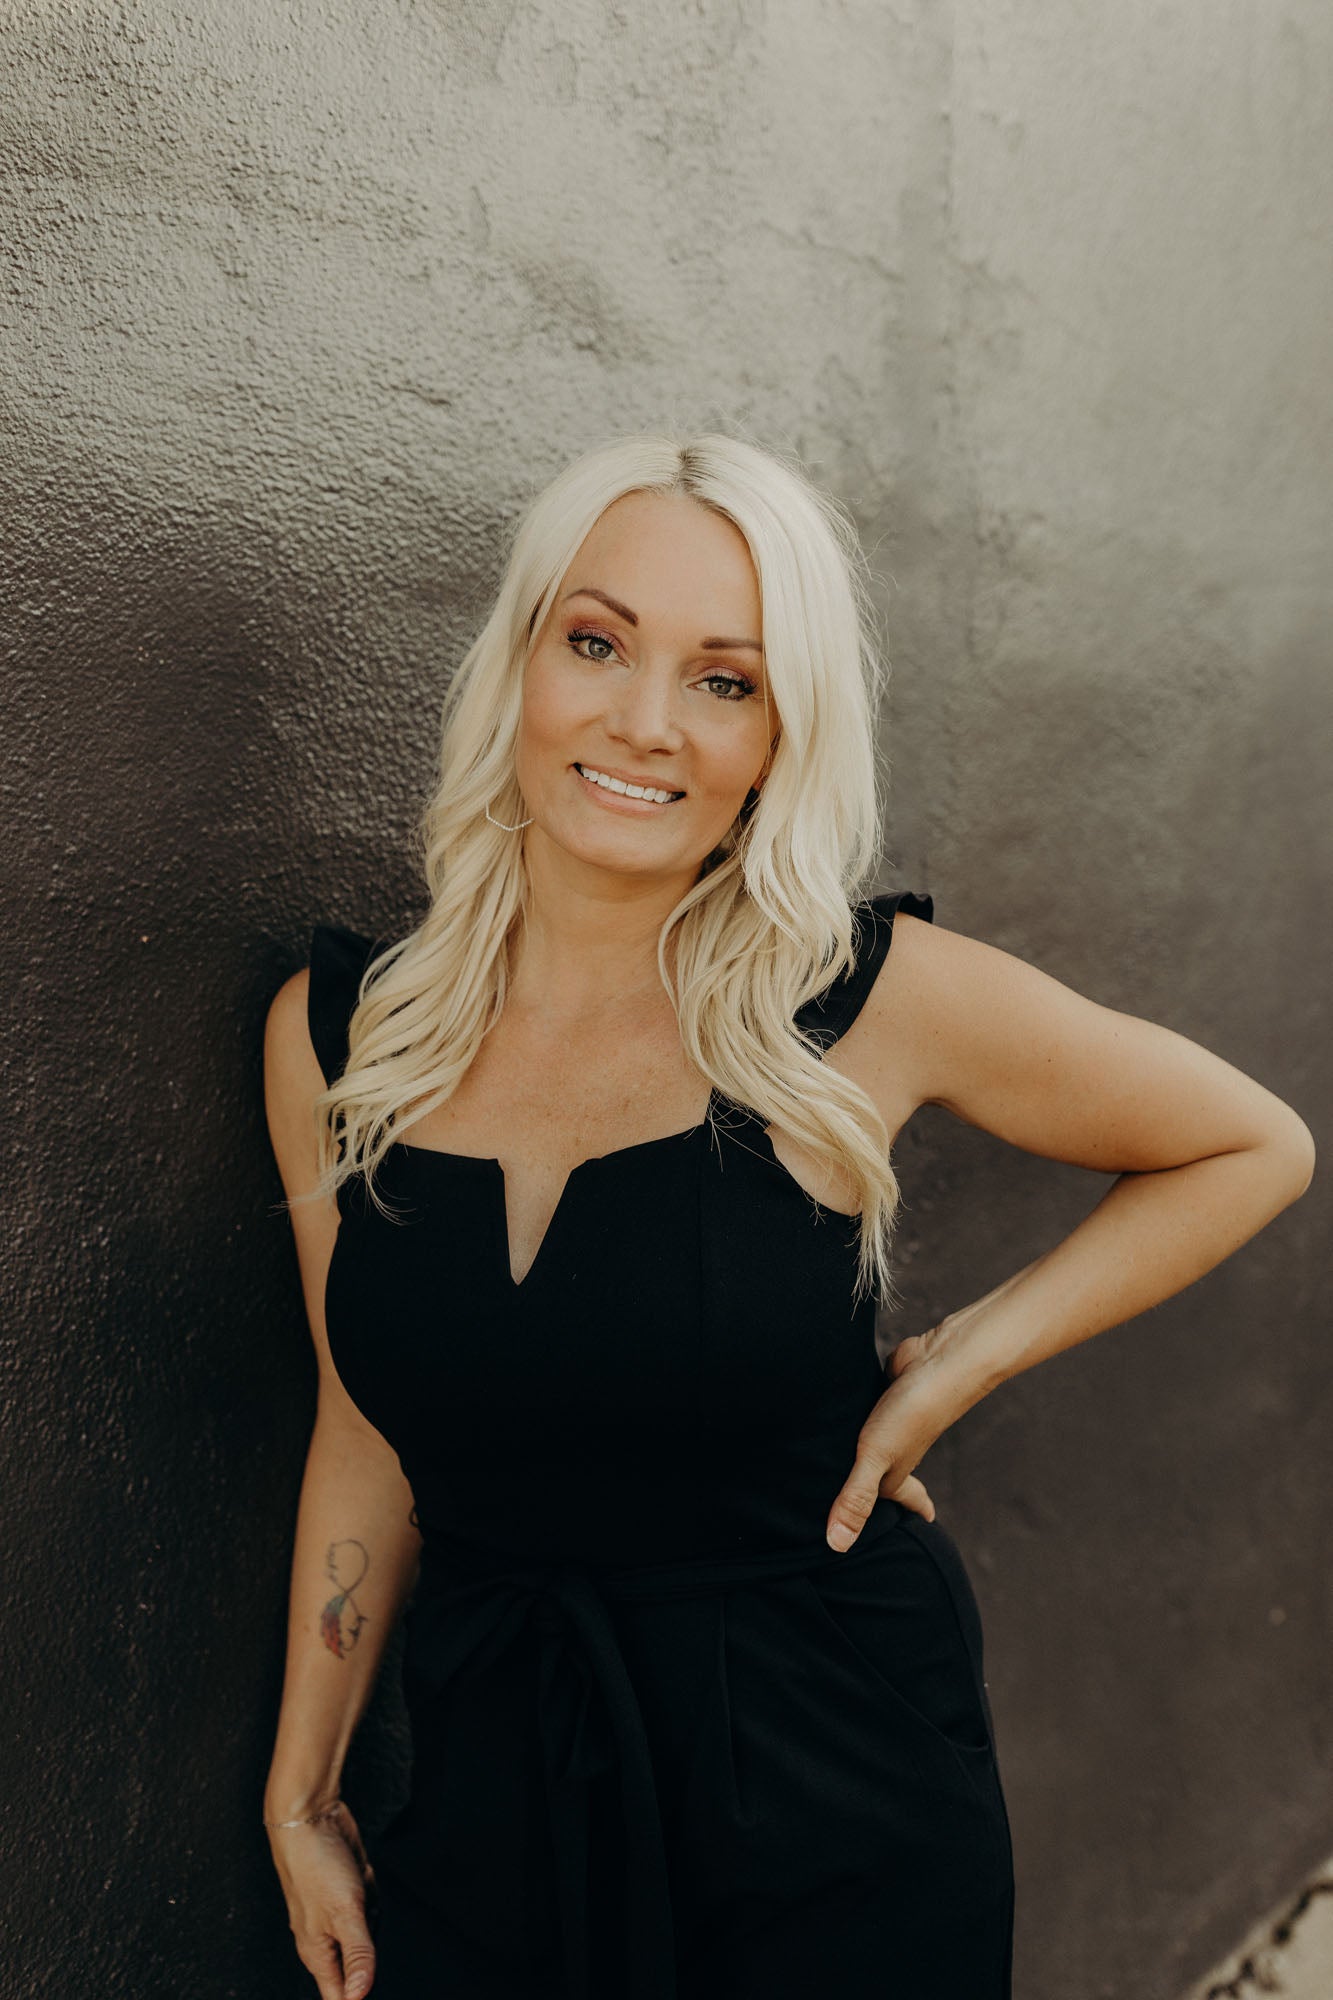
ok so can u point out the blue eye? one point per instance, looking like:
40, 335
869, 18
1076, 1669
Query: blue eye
737, 686
577, 638
736, 681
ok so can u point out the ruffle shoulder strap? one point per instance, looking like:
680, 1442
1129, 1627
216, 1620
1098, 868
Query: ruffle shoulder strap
831, 1013
338, 957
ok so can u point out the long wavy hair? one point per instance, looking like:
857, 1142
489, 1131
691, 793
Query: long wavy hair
768, 922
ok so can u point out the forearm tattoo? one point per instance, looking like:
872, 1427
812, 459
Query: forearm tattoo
341, 1620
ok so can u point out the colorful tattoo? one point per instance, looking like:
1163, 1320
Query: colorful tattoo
341, 1620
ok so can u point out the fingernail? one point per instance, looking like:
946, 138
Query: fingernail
840, 1537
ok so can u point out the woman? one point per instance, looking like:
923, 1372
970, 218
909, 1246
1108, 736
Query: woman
591, 1186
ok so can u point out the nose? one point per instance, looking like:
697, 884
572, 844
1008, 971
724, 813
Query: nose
642, 713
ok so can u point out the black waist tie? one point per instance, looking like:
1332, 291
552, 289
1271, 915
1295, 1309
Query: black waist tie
470, 1606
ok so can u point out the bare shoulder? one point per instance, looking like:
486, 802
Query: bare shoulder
927, 967
293, 1080
1007, 1047
287, 1019
939, 991
881, 1049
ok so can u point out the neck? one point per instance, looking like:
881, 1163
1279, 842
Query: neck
588, 942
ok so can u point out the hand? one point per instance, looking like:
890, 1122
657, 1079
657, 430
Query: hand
917, 1407
325, 1877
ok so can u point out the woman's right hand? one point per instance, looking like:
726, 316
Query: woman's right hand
326, 1878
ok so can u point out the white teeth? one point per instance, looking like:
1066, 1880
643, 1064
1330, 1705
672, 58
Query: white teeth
653, 793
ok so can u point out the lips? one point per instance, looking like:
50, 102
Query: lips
620, 779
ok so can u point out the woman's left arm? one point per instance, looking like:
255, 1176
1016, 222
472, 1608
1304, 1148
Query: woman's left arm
1205, 1155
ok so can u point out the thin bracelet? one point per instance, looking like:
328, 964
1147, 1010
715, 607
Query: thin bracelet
328, 1813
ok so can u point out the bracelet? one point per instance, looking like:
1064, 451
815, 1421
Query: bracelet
329, 1812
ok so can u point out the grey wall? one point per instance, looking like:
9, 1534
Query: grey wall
301, 302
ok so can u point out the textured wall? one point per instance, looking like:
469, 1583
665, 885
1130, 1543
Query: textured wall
301, 301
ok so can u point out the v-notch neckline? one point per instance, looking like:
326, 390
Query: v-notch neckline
505, 1247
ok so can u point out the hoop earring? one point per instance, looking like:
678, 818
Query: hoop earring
500, 823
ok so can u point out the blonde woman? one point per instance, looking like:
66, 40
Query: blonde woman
590, 1177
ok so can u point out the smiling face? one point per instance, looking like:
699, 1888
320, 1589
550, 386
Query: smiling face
663, 687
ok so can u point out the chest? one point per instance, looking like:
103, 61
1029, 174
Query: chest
538, 1119
539, 1122
681, 1285
683, 1365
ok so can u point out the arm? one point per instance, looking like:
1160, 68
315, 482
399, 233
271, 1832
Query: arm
352, 1531
354, 1525
1205, 1157
353, 1564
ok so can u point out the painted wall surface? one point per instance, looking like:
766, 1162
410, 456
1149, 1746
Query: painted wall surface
301, 301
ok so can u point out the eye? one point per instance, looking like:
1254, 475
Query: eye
580, 637
737, 685
734, 687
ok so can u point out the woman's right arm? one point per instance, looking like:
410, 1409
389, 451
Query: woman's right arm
354, 1562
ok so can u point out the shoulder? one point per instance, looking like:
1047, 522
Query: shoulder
940, 985
288, 1043
293, 1079
829, 1016
338, 958
1009, 1048
305, 1039
877, 1012
897, 948
311, 1008
288, 1007
941, 998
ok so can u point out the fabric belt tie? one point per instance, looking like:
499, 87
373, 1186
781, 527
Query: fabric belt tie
469, 1606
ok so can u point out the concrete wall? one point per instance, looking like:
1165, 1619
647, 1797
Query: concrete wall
301, 300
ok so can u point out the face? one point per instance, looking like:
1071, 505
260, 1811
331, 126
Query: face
662, 688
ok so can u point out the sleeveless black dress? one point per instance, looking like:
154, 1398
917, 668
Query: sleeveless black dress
667, 1744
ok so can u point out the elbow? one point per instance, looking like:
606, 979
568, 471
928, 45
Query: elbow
1294, 1147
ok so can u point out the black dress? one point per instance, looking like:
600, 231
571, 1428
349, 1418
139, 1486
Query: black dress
667, 1744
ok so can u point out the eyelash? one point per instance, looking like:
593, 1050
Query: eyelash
581, 632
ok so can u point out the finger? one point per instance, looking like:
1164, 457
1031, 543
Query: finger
911, 1493
358, 1969
343, 1959
854, 1505
358, 1952
321, 1962
907, 1350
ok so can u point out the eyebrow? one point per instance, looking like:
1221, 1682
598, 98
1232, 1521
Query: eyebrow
623, 611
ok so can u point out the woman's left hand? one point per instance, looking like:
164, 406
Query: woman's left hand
918, 1406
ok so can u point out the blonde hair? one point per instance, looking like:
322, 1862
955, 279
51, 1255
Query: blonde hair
768, 923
